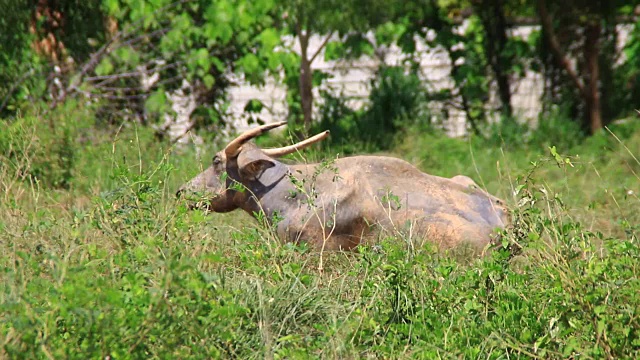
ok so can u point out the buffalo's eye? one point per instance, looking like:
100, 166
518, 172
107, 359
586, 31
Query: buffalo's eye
216, 160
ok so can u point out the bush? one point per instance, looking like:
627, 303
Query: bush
396, 102
342, 121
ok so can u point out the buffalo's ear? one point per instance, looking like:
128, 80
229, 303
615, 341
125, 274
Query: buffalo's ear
253, 170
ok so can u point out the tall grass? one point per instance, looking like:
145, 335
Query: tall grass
114, 267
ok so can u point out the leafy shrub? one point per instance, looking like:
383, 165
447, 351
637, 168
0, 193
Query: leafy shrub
337, 117
397, 100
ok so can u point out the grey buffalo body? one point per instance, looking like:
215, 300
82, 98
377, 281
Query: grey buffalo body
339, 204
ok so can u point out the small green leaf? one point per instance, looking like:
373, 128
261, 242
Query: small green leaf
334, 50
253, 106
156, 102
249, 63
209, 81
269, 39
226, 33
601, 327
105, 67
128, 55
273, 61
202, 58
113, 6
218, 64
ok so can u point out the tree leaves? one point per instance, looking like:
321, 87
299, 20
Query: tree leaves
105, 67
270, 38
156, 102
249, 64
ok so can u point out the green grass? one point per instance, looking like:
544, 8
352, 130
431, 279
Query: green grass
113, 266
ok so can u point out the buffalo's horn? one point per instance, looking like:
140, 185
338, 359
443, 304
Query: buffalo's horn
233, 148
282, 151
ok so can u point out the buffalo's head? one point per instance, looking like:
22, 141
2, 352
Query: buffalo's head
240, 166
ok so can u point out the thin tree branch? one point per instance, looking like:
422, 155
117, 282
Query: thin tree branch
157, 84
92, 95
563, 60
324, 43
92, 63
136, 39
107, 49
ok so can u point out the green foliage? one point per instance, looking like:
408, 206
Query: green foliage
337, 117
397, 100
18, 63
342, 24
203, 42
69, 29
189, 46
97, 259
507, 132
466, 54
435, 306
434, 149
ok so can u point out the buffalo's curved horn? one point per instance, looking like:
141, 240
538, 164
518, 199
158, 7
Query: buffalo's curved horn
282, 151
233, 148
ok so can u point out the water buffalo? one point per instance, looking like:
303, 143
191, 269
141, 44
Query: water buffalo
336, 204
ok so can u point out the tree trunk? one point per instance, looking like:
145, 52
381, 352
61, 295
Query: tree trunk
495, 25
592, 91
608, 56
587, 84
306, 81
